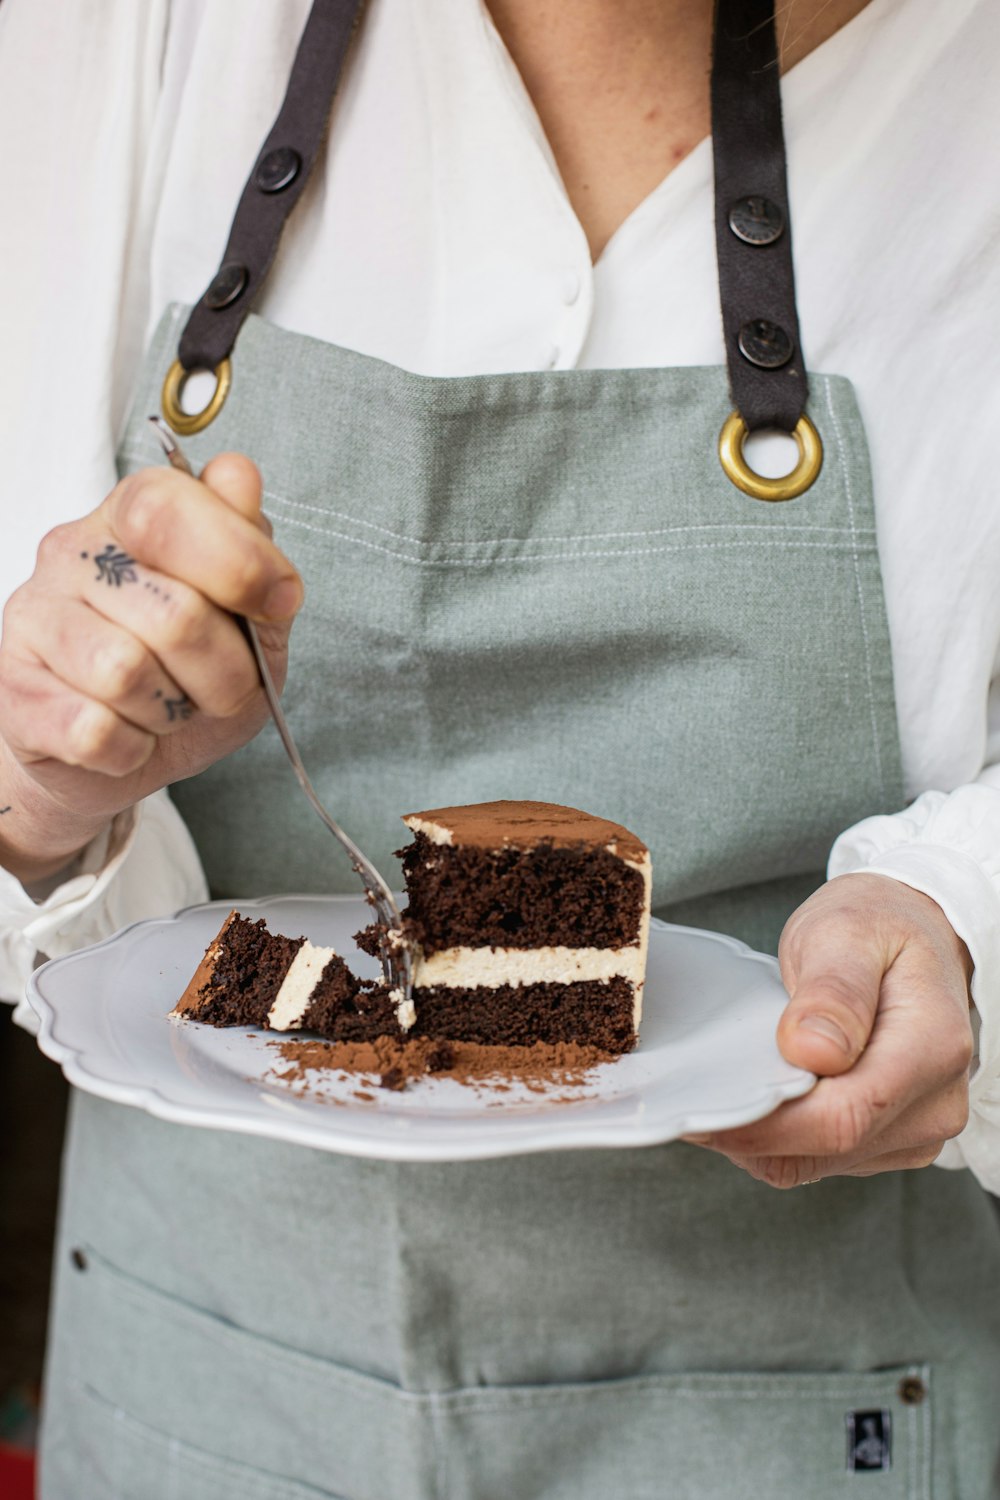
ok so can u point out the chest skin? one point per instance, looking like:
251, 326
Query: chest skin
621, 88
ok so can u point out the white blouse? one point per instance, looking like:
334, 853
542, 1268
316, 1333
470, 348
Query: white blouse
436, 234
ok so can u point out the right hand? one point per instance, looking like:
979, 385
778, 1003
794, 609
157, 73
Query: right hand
121, 666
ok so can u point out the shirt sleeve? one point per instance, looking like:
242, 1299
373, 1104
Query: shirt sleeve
144, 865
947, 845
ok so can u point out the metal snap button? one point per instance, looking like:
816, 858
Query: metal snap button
277, 170
228, 284
78, 1258
765, 344
756, 221
912, 1390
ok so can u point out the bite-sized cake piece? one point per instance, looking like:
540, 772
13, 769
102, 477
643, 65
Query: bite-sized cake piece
252, 977
528, 922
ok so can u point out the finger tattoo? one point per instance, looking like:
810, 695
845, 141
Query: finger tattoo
113, 566
177, 708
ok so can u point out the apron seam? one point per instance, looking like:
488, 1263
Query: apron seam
849, 533
714, 526
579, 556
151, 1304
736, 1385
862, 611
124, 1422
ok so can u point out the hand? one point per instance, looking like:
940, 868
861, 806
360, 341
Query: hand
121, 666
878, 982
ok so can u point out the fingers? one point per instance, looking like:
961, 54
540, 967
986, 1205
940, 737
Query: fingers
786, 1148
200, 647
100, 660
785, 1172
176, 524
200, 653
45, 719
236, 480
833, 967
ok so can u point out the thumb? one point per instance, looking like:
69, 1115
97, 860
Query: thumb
833, 1000
236, 480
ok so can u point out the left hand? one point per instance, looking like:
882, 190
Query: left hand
878, 982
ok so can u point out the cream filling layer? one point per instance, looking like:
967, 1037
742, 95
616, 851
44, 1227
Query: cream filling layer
292, 1000
489, 968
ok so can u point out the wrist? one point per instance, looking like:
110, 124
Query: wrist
39, 835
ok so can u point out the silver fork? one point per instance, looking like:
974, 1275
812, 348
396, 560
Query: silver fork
396, 957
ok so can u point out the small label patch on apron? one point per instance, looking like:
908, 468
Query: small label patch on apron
869, 1448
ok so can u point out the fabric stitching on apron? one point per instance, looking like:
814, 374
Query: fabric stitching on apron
589, 536
482, 562
862, 603
269, 1485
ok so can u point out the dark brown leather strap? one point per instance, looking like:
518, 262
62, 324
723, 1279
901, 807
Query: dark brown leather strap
274, 186
767, 376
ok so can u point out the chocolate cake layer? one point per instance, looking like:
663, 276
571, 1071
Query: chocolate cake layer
574, 896
591, 1014
345, 1009
238, 983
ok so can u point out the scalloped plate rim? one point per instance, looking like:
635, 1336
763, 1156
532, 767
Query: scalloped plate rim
516, 1135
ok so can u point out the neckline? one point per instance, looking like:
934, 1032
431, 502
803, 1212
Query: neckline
512, 84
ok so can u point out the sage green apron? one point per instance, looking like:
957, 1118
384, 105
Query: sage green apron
530, 585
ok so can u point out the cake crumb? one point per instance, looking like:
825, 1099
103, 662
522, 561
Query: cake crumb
390, 1064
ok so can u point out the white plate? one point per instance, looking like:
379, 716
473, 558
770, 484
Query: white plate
707, 1059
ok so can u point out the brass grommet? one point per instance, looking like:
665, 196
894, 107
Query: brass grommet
170, 398
731, 439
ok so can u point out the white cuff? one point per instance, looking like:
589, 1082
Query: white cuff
947, 845
144, 865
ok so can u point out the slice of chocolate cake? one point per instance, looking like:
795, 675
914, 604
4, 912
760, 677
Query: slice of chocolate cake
252, 977
528, 922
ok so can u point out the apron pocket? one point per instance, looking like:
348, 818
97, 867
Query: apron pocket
189, 1389
695, 1437
134, 1462
166, 1401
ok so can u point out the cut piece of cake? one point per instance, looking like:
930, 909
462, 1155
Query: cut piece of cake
252, 977
528, 922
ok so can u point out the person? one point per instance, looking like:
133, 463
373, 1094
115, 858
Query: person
481, 403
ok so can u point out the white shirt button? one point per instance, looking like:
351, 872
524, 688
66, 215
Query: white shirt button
570, 288
553, 358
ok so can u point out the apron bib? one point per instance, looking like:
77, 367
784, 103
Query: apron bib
530, 585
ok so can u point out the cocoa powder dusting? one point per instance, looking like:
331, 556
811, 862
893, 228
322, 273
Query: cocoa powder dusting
392, 1064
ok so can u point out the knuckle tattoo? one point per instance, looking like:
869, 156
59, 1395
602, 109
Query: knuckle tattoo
177, 709
114, 565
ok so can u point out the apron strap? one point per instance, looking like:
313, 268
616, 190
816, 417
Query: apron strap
274, 186
767, 376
